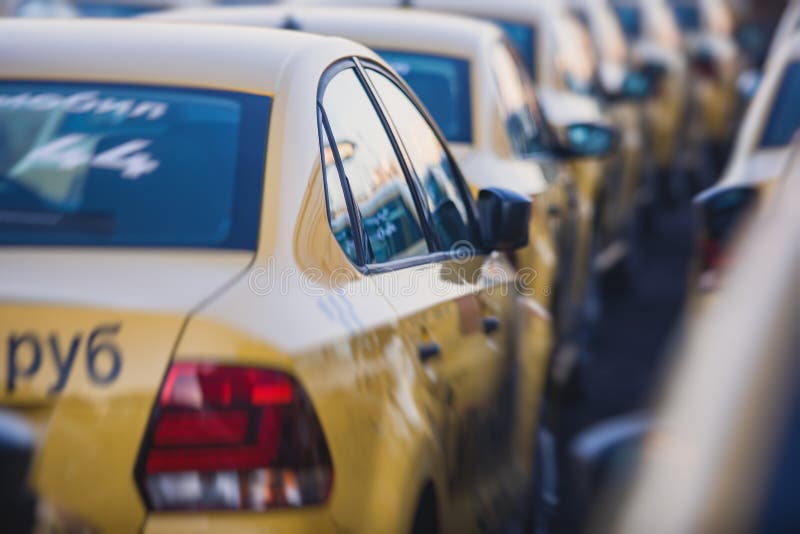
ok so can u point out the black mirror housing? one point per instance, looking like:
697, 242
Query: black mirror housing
505, 218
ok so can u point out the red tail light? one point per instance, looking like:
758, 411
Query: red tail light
240, 438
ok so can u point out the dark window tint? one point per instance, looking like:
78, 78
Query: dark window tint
443, 85
523, 37
374, 175
784, 118
432, 165
630, 20
687, 15
89, 164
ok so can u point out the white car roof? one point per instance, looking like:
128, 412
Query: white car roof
213, 56
398, 29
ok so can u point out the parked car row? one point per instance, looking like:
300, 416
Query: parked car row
318, 267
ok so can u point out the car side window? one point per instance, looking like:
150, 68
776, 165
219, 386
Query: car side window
438, 178
373, 172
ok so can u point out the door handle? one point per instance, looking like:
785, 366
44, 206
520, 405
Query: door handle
490, 325
428, 351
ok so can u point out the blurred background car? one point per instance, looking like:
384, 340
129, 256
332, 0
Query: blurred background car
721, 454
625, 88
708, 30
758, 158
656, 45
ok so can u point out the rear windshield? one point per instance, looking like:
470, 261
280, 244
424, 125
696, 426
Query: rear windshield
784, 118
85, 164
442, 84
630, 20
523, 37
687, 15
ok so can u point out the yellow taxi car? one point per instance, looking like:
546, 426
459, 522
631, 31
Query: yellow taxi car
758, 159
468, 76
708, 28
656, 43
624, 89
235, 295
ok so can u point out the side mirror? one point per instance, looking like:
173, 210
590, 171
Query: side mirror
504, 218
589, 140
636, 86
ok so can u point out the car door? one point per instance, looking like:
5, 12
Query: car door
415, 234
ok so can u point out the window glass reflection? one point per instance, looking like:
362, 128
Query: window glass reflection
430, 161
373, 171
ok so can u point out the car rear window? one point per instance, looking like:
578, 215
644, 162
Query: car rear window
630, 20
442, 84
523, 37
784, 118
89, 164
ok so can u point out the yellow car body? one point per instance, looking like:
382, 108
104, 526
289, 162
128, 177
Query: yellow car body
401, 385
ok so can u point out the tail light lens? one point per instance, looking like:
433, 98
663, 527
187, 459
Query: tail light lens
233, 438
722, 214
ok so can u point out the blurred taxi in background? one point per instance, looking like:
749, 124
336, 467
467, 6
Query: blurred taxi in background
759, 156
708, 30
241, 289
722, 455
656, 44
469, 77
625, 89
